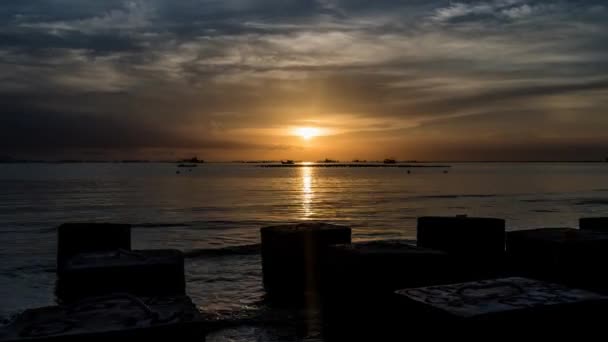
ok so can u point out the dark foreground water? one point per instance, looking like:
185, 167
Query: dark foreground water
213, 210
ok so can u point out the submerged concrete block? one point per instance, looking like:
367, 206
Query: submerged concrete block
507, 302
76, 238
143, 273
598, 224
572, 256
475, 237
293, 256
102, 318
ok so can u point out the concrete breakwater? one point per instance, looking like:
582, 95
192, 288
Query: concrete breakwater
463, 273
107, 290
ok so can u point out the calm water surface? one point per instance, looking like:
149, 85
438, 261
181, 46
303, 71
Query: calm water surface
215, 206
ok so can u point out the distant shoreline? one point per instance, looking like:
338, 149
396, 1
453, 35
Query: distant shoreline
277, 163
354, 165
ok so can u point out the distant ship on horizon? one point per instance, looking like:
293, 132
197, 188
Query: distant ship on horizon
193, 160
327, 160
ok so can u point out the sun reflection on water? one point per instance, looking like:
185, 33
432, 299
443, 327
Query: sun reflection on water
307, 191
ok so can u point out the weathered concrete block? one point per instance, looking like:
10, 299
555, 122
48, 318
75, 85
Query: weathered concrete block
293, 256
104, 318
143, 273
573, 256
598, 224
76, 238
361, 278
478, 238
499, 303
386, 266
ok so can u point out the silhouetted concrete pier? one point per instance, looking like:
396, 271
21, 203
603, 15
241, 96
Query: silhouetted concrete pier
294, 257
463, 274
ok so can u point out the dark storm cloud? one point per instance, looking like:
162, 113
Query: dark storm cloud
200, 73
30, 128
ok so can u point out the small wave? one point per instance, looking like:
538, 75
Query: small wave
224, 251
599, 201
537, 200
40, 268
159, 225
545, 211
460, 196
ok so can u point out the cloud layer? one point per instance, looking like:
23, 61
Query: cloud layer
501, 79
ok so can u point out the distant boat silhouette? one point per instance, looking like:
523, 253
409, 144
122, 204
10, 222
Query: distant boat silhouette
327, 160
390, 161
287, 162
193, 160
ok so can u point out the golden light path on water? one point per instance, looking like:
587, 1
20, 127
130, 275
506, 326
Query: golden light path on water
307, 191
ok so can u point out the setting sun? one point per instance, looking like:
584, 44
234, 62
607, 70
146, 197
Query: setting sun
307, 132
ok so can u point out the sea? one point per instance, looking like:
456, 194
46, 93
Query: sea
213, 212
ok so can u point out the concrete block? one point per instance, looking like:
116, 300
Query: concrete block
471, 237
76, 238
598, 224
572, 256
293, 257
361, 278
103, 318
386, 265
143, 273
506, 303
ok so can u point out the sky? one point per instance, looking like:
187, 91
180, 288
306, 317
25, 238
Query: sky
241, 79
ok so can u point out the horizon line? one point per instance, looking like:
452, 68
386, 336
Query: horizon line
260, 161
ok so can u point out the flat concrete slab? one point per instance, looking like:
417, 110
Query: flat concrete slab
509, 304
116, 316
